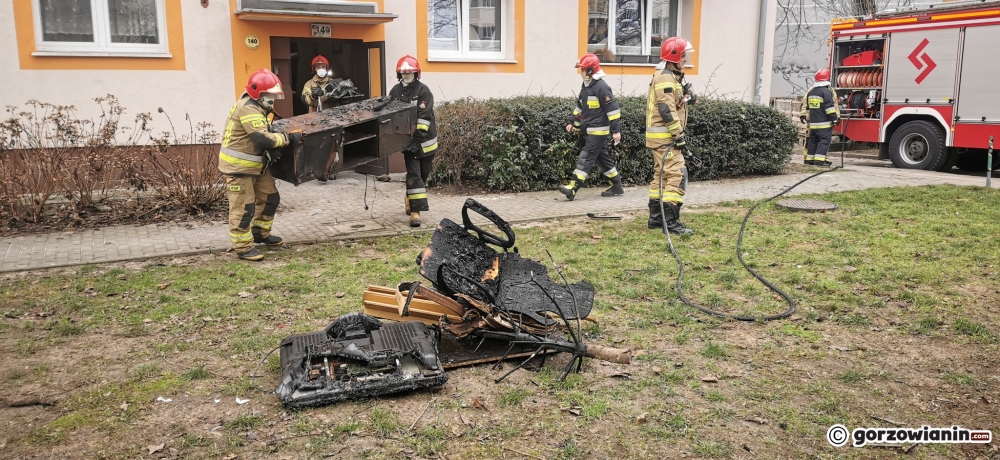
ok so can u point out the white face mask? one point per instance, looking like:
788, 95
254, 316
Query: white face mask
408, 78
266, 101
321, 73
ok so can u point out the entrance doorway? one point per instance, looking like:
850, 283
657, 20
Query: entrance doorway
361, 62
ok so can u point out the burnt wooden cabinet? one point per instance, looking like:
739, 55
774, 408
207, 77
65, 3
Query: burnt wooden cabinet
343, 137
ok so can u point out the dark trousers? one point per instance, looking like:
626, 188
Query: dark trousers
417, 172
818, 144
595, 150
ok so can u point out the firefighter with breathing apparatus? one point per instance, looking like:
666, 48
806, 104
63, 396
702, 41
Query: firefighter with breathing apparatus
820, 112
666, 117
248, 147
419, 154
597, 113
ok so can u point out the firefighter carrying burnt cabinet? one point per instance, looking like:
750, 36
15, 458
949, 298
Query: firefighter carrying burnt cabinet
666, 118
419, 155
820, 111
244, 157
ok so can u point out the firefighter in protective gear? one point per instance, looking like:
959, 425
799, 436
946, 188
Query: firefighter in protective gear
419, 155
313, 94
666, 118
596, 113
820, 110
243, 159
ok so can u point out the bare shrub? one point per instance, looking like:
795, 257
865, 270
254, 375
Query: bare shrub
187, 178
31, 162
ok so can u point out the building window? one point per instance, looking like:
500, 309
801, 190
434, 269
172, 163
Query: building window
630, 31
100, 27
466, 29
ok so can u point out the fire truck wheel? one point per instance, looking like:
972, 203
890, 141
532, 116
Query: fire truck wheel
918, 145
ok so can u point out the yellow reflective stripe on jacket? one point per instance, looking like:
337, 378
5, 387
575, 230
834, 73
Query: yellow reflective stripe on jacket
592, 102
831, 110
423, 125
614, 115
669, 84
820, 125
417, 196
430, 145
251, 117
576, 111
659, 132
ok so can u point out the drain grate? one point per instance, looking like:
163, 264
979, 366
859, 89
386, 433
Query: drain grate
798, 204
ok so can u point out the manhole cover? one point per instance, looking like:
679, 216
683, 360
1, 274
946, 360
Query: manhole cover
797, 204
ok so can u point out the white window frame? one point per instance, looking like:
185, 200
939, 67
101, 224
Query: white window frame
102, 44
647, 21
463, 53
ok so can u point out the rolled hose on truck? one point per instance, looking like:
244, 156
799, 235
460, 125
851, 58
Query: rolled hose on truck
739, 253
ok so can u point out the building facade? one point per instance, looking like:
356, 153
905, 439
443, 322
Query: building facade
193, 57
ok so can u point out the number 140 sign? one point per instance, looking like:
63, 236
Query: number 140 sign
321, 30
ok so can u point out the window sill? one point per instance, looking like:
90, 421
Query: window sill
100, 54
473, 60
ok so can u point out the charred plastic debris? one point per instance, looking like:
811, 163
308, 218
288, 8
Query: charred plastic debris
486, 304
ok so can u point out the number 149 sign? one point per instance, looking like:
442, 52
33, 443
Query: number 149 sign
321, 30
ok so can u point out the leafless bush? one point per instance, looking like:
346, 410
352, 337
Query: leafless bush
187, 178
31, 162
47, 151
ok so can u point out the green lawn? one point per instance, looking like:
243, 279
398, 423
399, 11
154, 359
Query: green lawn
897, 322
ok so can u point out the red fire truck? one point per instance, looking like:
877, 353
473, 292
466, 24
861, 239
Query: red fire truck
922, 84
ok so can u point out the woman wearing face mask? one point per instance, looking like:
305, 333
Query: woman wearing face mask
253, 198
313, 94
423, 145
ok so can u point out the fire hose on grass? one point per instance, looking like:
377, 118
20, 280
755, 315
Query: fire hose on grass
739, 252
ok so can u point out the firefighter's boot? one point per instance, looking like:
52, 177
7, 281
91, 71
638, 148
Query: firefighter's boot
406, 201
616, 187
671, 213
655, 215
271, 240
253, 254
415, 219
571, 188
823, 163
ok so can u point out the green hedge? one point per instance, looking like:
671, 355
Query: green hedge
521, 144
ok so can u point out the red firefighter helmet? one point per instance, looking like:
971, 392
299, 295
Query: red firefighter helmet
672, 48
822, 75
407, 64
590, 63
264, 81
320, 59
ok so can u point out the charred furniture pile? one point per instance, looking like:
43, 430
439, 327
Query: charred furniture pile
487, 303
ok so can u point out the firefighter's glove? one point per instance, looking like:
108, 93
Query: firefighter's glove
802, 119
836, 121
294, 138
681, 144
689, 94
414, 148
271, 156
317, 92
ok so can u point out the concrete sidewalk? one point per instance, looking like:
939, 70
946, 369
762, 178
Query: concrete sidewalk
315, 212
